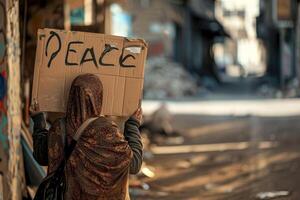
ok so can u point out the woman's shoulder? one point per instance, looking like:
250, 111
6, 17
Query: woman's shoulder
104, 122
107, 126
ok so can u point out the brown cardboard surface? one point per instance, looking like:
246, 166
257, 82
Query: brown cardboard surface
63, 55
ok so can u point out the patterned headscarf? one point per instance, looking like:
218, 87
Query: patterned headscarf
85, 100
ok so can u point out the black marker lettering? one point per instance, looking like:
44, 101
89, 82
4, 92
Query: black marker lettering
108, 48
69, 49
84, 59
47, 44
123, 59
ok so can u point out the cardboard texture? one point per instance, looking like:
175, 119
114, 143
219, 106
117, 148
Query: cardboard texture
63, 55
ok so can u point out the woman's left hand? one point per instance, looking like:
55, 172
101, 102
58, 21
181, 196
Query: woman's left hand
138, 115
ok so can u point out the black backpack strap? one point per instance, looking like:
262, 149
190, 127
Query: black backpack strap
63, 133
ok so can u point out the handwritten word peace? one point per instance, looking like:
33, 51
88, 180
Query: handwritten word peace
88, 54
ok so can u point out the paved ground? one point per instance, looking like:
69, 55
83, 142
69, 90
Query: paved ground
233, 149
270, 162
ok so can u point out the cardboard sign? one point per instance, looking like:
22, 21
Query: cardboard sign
63, 55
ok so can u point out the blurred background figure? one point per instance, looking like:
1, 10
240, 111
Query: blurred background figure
158, 126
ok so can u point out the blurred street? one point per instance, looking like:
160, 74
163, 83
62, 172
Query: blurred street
232, 174
233, 156
234, 97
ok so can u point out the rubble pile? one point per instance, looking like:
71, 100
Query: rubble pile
167, 79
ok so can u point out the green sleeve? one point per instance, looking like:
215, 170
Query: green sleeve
133, 136
40, 139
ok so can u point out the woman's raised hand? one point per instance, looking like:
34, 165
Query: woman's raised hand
138, 115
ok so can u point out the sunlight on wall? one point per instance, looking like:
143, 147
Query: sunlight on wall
243, 52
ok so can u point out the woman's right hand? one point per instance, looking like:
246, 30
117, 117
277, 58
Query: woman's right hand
34, 110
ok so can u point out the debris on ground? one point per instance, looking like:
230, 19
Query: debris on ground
140, 192
147, 171
167, 79
136, 183
159, 129
210, 186
272, 194
175, 140
138, 187
183, 164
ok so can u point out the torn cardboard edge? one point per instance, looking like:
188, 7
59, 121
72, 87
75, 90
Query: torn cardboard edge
63, 55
